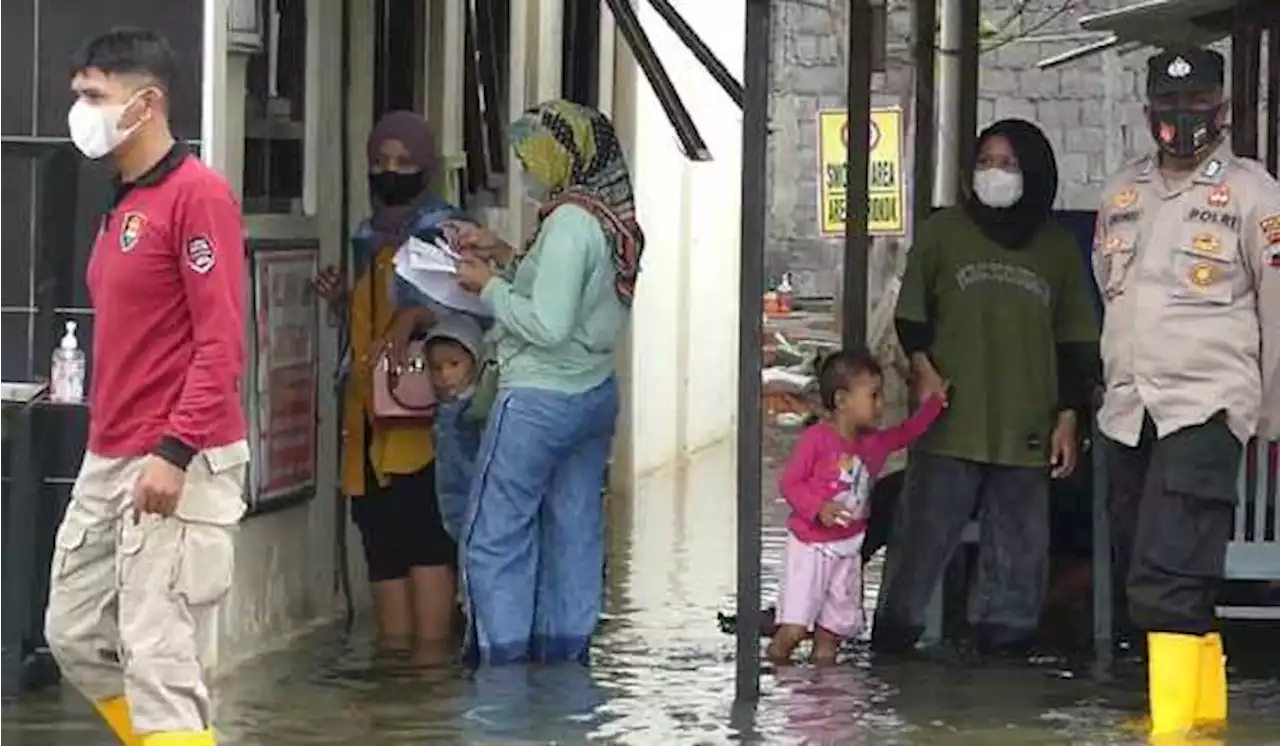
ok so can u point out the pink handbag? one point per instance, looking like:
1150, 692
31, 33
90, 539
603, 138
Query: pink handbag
404, 393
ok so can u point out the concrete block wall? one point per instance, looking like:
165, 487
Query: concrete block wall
1090, 109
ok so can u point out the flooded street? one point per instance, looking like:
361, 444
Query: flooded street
662, 671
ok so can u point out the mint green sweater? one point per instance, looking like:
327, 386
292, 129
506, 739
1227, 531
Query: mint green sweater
558, 317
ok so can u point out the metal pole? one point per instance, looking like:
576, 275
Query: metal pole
714, 67
857, 241
924, 130
967, 103
946, 177
755, 146
1273, 96
1103, 594
694, 147
1246, 48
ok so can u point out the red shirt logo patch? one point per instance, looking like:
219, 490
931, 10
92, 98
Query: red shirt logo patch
1219, 195
200, 255
131, 230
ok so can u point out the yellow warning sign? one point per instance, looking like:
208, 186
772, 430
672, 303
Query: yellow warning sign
887, 207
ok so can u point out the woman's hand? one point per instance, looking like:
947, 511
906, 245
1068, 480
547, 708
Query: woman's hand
395, 345
473, 273
330, 285
469, 238
1064, 446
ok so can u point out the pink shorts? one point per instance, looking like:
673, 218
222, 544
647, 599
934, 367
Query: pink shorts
821, 589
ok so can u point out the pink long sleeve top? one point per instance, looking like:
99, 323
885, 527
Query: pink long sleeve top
826, 466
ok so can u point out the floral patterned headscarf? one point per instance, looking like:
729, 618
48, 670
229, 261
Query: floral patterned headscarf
573, 150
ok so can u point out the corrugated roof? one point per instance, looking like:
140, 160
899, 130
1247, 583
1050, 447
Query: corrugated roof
1157, 23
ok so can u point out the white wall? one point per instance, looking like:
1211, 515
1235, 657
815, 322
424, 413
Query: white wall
682, 368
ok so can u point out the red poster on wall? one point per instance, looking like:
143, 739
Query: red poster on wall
287, 370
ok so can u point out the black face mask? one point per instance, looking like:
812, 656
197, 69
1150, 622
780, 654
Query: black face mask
1184, 132
395, 189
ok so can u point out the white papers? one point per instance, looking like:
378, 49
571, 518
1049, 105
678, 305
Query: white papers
432, 268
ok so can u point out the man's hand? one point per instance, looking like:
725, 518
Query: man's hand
473, 273
834, 514
158, 488
1064, 446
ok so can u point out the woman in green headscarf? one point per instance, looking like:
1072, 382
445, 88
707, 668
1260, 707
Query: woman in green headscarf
534, 546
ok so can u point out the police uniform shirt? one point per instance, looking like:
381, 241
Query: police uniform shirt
1190, 275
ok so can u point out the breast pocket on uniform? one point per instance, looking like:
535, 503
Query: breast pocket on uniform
1118, 252
1205, 266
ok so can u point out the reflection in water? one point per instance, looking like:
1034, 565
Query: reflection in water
662, 672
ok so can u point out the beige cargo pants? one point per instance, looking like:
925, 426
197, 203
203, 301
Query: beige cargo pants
129, 595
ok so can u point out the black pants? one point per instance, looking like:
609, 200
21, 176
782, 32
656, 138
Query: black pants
400, 525
1172, 508
939, 500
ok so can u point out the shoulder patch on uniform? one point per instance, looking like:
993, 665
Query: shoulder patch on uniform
131, 230
1270, 226
1124, 198
200, 254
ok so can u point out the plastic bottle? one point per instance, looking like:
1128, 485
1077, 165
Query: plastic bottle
68, 369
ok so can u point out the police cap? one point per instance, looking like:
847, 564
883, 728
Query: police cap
1184, 70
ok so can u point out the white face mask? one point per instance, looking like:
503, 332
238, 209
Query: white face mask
996, 187
534, 190
95, 129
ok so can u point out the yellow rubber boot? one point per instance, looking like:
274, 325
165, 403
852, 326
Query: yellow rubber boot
202, 738
1173, 683
115, 712
1211, 702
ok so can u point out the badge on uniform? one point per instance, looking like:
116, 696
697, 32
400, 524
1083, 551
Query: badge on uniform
1203, 274
1124, 198
1219, 195
1114, 243
1270, 226
200, 255
1205, 243
1273, 256
131, 230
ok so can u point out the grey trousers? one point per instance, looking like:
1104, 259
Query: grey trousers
939, 499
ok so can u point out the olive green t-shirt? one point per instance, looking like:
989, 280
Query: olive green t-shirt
998, 316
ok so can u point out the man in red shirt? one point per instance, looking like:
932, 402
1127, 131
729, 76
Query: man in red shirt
145, 550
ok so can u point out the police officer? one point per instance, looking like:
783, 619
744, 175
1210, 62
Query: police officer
1187, 256
145, 550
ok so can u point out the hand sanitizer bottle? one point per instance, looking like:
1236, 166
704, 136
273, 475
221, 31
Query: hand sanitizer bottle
68, 369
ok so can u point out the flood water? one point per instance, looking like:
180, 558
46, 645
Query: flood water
662, 671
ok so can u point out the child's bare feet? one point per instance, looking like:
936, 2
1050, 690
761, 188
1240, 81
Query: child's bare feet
785, 640
825, 647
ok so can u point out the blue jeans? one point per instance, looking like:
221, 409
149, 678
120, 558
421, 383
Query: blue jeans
534, 554
457, 442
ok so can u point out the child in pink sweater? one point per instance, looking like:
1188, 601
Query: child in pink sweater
827, 482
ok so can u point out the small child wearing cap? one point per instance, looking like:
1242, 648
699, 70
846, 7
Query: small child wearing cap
453, 356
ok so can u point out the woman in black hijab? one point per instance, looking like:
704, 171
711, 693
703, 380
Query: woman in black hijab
994, 310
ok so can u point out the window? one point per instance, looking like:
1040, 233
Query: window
398, 56
580, 52
275, 106
486, 53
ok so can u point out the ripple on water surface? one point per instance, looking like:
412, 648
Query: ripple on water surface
662, 672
